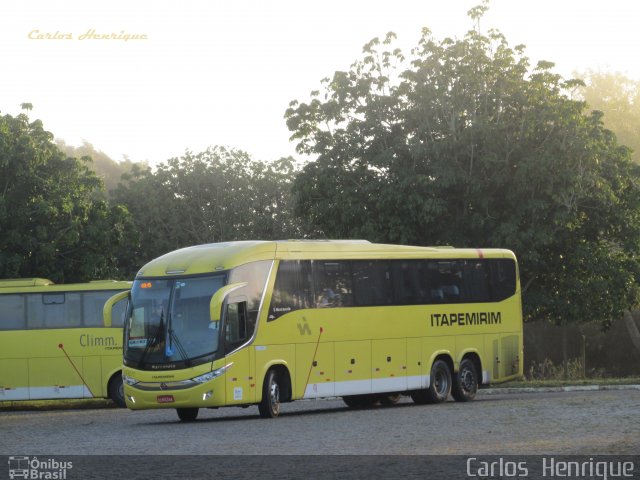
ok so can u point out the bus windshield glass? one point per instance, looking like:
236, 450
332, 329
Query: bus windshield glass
169, 321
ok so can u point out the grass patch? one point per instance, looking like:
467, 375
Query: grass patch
568, 383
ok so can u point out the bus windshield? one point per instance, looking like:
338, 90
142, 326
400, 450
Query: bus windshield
169, 321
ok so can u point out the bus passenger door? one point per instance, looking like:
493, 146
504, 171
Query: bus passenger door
240, 382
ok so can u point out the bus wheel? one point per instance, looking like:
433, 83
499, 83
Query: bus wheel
390, 399
465, 382
116, 390
440, 386
187, 414
269, 407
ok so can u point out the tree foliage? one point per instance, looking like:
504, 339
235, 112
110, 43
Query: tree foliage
213, 196
466, 144
56, 222
618, 97
50, 223
107, 169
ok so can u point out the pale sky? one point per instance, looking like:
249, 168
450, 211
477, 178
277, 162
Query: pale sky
223, 73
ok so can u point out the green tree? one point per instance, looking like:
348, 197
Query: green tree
618, 97
213, 196
104, 166
50, 223
467, 145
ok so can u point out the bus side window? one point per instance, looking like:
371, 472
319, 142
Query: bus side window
502, 278
12, 312
406, 283
235, 331
92, 305
371, 283
91, 311
332, 282
445, 280
475, 282
293, 288
59, 310
117, 313
255, 274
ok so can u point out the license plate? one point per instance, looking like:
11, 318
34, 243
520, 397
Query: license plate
165, 399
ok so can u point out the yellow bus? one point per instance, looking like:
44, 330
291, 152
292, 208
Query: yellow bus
246, 323
53, 343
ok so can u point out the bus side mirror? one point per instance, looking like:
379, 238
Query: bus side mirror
108, 307
215, 306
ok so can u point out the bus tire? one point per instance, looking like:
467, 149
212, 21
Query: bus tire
440, 385
115, 390
465, 382
187, 414
269, 406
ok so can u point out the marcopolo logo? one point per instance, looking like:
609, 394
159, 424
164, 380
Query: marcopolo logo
34, 468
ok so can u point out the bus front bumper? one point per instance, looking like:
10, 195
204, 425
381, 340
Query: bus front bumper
142, 396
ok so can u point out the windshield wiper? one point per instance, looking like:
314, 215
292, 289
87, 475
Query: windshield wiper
152, 340
172, 337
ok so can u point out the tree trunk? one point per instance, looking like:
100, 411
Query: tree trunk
632, 328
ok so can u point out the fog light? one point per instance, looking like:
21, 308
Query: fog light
131, 399
207, 396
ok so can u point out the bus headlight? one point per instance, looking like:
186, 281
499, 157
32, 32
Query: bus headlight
211, 375
129, 381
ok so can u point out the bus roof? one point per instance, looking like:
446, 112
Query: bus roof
215, 257
24, 282
23, 285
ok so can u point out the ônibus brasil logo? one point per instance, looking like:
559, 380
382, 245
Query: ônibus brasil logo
33, 468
